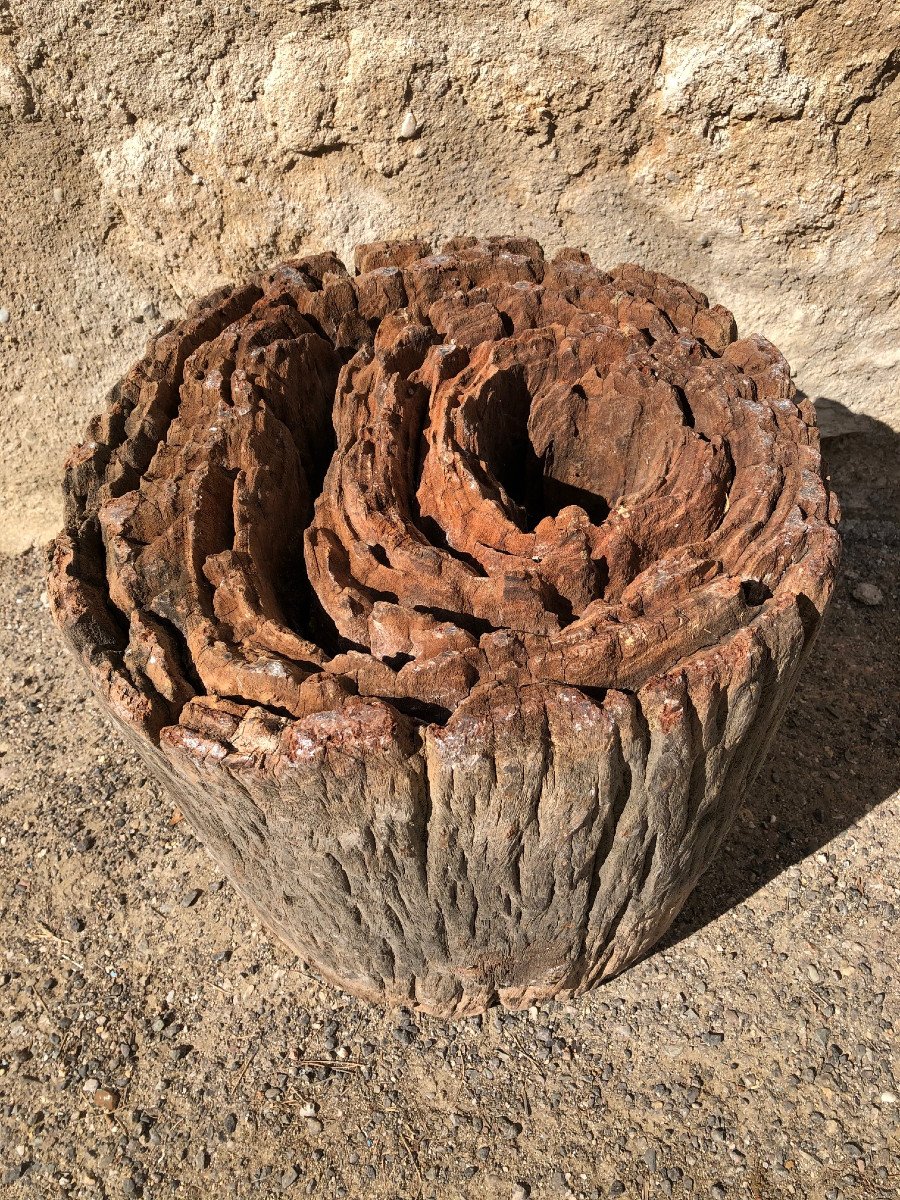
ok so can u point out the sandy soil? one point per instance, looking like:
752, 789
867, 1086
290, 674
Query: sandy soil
155, 1042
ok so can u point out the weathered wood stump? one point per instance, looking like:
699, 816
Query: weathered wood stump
457, 600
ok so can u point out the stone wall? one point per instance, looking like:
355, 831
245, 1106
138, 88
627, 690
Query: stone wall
150, 151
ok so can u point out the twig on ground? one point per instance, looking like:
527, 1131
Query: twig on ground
243, 1070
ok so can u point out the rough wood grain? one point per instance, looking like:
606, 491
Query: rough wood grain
457, 600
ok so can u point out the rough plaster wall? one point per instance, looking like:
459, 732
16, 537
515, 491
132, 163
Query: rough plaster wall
149, 151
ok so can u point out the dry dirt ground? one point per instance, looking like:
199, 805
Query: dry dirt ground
155, 1042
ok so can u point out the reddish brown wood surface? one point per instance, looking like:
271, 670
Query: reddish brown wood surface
456, 598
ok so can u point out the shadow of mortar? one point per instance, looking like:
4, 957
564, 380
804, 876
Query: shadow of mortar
837, 753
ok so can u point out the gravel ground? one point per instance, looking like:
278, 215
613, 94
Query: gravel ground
155, 1042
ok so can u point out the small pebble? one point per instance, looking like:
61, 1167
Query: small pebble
106, 1098
191, 898
4, 312
867, 593
409, 127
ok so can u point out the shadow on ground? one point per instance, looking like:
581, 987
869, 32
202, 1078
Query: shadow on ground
836, 754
